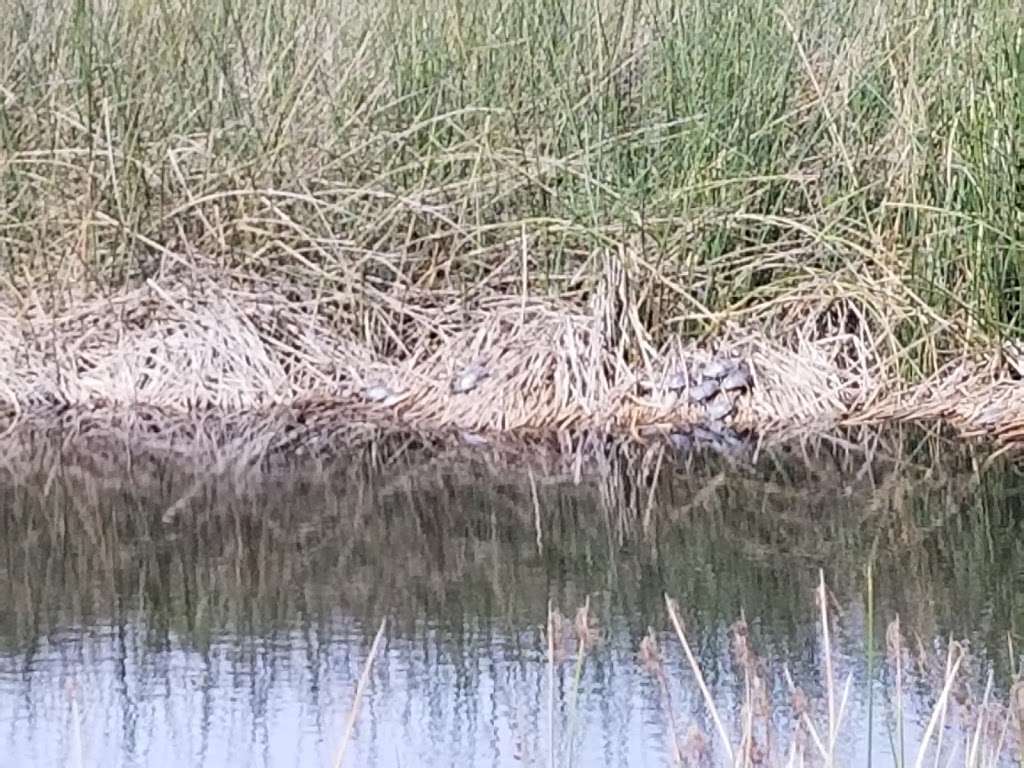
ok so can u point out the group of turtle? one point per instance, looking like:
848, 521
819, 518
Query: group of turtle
713, 386
465, 380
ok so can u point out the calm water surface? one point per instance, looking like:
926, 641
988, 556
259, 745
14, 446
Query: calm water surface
157, 615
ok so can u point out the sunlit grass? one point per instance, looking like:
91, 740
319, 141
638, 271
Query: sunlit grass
857, 162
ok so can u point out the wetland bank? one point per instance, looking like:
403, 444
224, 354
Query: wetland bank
251, 206
316, 313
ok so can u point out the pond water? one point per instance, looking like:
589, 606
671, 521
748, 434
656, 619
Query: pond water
162, 615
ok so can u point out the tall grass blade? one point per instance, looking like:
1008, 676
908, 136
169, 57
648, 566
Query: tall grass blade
870, 631
833, 725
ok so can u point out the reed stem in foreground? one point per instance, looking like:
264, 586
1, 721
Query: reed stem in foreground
551, 685
364, 679
829, 672
695, 667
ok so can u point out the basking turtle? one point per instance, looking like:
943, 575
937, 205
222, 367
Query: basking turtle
719, 409
468, 379
678, 380
724, 440
704, 391
378, 392
707, 434
737, 379
719, 368
473, 438
680, 440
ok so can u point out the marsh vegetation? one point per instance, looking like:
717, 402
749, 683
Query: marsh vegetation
242, 204
314, 313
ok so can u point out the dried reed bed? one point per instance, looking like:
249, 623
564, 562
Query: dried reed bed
981, 396
242, 363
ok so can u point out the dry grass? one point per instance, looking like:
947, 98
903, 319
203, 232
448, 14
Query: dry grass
164, 355
364, 677
961, 728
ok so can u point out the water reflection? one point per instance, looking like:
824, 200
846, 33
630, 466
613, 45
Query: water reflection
187, 617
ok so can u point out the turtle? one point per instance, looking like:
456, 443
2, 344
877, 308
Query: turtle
678, 380
473, 438
719, 368
681, 441
705, 434
738, 379
377, 392
382, 394
719, 409
704, 391
468, 379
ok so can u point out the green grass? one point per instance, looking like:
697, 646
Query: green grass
852, 162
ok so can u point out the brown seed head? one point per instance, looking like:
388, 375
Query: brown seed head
741, 646
696, 745
798, 700
650, 657
759, 696
893, 640
757, 752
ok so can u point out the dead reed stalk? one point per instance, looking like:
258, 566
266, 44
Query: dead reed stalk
364, 679
551, 684
985, 739
709, 701
651, 659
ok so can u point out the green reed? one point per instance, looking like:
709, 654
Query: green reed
744, 155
